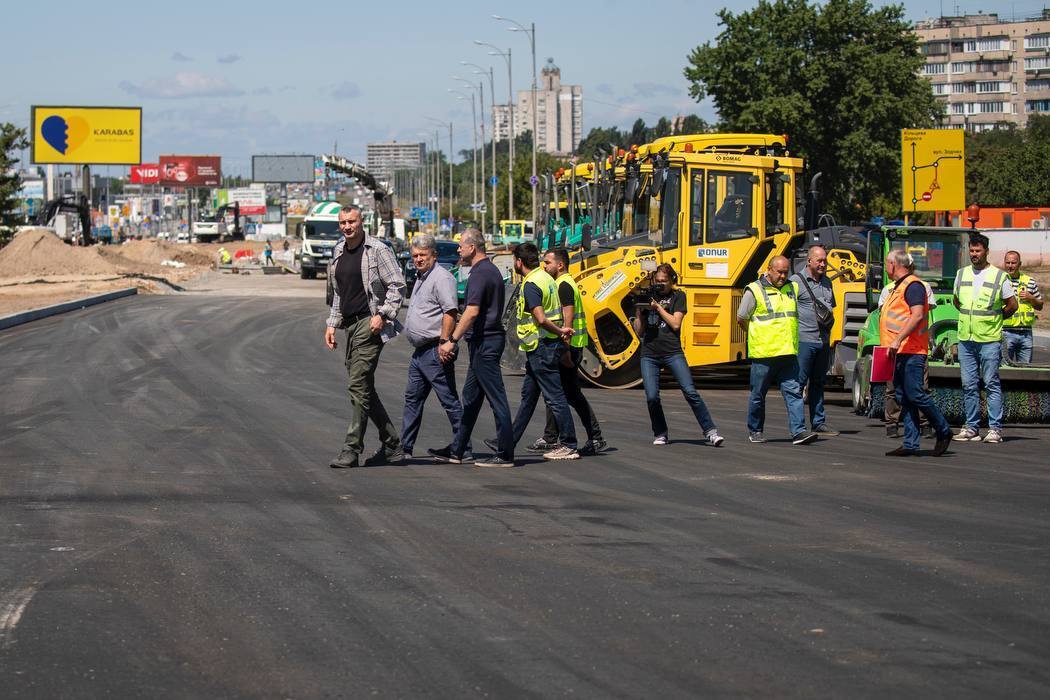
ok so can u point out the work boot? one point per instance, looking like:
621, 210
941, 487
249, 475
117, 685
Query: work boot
345, 460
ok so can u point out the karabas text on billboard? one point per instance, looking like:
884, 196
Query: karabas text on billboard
190, 171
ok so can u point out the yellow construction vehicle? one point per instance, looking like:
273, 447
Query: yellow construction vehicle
717, 208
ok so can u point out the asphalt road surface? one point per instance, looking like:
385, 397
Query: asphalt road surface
170, 527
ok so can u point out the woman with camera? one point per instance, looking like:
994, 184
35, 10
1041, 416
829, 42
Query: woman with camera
658, 324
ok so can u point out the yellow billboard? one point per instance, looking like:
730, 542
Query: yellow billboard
87, 135
933, 170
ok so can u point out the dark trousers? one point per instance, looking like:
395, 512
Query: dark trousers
542, 376
909, 379
425, 373
570, 382
362, 357
485, 381
813, 362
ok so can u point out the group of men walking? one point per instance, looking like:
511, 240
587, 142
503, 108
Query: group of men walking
787, 319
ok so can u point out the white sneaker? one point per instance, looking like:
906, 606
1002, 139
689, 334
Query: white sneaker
561, 452
967, 434
714, 439
660, 440
993, 436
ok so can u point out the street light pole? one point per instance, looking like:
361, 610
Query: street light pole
531, 31
474, 153
492, 92
449, 125
510, 124
480, 88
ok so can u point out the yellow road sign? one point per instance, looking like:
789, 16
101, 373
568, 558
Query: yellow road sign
87, 135
933, 170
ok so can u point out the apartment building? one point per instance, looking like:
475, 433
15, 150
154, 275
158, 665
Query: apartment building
559, 118
988, 72
382, 159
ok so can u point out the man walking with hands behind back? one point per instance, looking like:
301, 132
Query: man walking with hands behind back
769, 315
367, 295
904, 331
984, 297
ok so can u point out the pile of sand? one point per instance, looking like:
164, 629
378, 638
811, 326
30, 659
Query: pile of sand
153, 252
39, 252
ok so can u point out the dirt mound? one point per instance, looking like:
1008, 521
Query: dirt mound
41, 252
153, 252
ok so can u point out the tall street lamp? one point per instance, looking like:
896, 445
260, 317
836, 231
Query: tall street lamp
531, 31
480, 89
449, 125
492, 92
510, 123
474, 154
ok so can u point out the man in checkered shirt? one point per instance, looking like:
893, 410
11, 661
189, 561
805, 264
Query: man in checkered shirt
1017, 330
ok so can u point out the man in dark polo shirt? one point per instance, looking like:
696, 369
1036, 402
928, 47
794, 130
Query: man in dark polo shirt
368, 290
481, 327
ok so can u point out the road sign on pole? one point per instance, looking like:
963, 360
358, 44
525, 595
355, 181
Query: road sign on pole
533, 180
493, 180
933, 173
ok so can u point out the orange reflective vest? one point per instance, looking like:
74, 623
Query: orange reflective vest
895, 315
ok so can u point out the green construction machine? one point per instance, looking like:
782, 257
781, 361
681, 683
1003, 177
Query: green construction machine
938, 253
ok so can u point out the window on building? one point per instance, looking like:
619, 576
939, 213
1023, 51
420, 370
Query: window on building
1038, 105
963, 67
934, 68
963, 88
986, 44
935, 48
958, 107
1008, 219
1034, 85
941, 88
1038, 41
990, 107
1037, 63
993, 86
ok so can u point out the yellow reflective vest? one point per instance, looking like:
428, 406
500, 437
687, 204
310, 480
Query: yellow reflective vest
579, 318
1024, 317
773, 328
529, 333
980, 310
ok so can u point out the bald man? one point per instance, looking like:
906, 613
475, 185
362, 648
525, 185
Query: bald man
768, 313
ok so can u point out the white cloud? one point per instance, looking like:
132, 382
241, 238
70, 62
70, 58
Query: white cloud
182, 85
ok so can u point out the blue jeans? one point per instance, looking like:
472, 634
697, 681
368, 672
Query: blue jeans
813, 361
679, 369
909, 372
485, 381
426, 372
542, 376
979, 363
1017, 345
765, 371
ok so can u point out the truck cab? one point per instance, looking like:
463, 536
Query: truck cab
319, 232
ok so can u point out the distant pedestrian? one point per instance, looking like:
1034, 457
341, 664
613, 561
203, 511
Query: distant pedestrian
430, 320
367, 295
984, 297
816, 316
904, 331
481, 326
556, 263
268, 254
658, 323
542, 336
768, 313
891, 409
1017, 330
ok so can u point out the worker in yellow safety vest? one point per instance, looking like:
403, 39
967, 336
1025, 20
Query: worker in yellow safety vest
768, 313
984, 298
224, 256
542, 336
556, 264
1017, 330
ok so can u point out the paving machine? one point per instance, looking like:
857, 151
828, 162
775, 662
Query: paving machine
938, 253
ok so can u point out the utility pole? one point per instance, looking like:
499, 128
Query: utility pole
506, 56
492, 93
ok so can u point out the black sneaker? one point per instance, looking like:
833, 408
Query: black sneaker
443, 455
824, 431
491, 444
904, 452
541, 445
345, 460
804, 438
755, 436
593, 447
942, 445
384, 455
494, 462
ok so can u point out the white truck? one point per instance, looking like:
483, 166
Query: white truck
319, 232
205, 231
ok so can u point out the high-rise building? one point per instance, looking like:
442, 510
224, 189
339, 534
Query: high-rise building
383, 159
559, 119
988, 72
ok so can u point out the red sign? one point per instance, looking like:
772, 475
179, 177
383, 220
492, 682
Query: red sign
145, 174
191, 171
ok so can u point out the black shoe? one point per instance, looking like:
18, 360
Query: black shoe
593, 447
443, 455
824, 431
903, 452
385, 455
541, 445
345, 460
942, 445
803, 438
491, 444
892, 432
494, 462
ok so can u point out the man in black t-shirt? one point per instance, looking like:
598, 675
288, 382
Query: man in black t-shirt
481, 325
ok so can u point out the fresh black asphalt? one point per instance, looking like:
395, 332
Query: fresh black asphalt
169, 527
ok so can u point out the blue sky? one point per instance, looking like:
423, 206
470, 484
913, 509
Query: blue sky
237, 78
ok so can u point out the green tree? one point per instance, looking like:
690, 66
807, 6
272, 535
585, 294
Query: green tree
693, 124
841, 79
12, 140
1010, 167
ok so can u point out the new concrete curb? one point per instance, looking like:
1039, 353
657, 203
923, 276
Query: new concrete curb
36, 314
